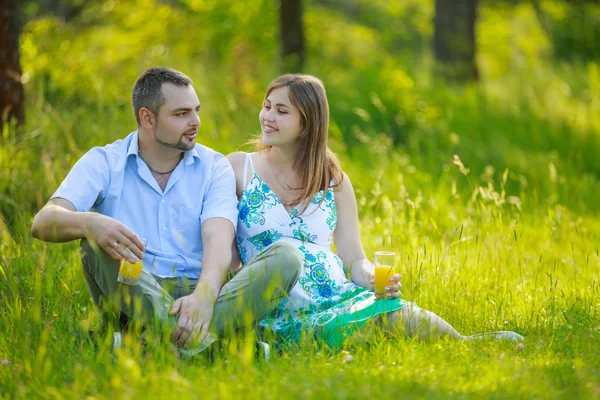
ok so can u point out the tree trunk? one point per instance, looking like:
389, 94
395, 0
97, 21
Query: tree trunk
65, 10
11, 88
291, 30
454, 37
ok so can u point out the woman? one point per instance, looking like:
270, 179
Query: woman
293, 189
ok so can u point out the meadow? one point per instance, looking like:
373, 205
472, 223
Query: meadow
488, 191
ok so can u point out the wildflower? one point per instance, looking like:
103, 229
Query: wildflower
520, 346
461, 167
55, 315
347, 357
5, 362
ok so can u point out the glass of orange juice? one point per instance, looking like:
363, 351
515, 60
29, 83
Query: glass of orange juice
385, 268
130, 273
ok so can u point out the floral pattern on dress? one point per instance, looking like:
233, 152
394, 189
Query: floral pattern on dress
265, 239
323, 294
316, 280
301, 233
332, 218
251, 205
243, 251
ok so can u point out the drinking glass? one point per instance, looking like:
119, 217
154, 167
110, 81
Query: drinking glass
129, 273
385, 268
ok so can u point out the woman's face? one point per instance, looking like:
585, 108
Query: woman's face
279, 119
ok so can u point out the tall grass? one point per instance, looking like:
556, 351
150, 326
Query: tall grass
488, 193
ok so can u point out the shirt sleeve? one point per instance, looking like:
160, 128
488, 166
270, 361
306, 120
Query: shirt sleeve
87, 183
220, 200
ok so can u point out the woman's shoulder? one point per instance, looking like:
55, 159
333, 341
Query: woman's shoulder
343, 189
341, 181
236, 156
237, 159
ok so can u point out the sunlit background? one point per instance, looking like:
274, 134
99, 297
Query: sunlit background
470, 130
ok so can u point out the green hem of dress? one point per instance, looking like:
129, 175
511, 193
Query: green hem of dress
343, 326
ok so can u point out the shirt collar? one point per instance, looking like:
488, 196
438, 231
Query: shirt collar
188, 156
133, 145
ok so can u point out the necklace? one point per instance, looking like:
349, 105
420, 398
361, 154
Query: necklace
286, 187
152, 169
275, 175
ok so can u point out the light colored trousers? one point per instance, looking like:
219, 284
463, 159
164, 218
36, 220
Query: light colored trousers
252, 293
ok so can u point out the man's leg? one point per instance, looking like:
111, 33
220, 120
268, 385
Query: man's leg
146, 302
257, 289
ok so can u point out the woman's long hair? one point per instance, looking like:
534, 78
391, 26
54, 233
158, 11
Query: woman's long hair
317, 166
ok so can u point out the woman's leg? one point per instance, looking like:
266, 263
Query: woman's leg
415, 321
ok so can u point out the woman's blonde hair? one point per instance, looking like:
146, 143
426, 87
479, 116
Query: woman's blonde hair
317, 166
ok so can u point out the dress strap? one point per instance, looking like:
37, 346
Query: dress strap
251, 162
245, 177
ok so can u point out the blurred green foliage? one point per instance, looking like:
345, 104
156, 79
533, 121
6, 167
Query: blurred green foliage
489, 192
529, 112
573, 28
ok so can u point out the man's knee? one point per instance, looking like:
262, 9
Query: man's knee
85, 248
93, 251
289, 260
88, 255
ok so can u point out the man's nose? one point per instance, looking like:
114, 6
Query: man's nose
195, 121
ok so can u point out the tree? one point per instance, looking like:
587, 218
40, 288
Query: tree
576, 34
291, 29
454, 37
11, 87
66, 10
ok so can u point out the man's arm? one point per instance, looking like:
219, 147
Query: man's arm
236, 261
218, 220
58, 221
66, 216
195, 311
217, 236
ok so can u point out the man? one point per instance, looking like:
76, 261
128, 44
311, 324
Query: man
158, 184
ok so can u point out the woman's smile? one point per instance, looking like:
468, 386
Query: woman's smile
269, 129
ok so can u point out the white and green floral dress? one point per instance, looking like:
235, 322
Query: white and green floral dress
324, 302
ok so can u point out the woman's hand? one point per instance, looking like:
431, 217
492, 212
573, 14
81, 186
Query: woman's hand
392, 291
361, 273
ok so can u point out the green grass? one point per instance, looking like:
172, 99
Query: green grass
507, 238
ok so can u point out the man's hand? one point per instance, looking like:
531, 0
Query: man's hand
196, 310
58, 221
195, 313
114, 237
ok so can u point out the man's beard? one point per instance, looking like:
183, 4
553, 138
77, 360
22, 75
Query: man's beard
179, 145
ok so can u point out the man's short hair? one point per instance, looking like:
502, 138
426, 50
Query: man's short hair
147, 91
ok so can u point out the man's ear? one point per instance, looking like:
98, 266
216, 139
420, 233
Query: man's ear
147, 118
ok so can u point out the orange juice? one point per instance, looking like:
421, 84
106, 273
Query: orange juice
383, 273
130, 273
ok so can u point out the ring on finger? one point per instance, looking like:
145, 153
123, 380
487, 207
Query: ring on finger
115, 245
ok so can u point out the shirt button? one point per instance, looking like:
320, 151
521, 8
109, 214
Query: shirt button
163, 201
164, 228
